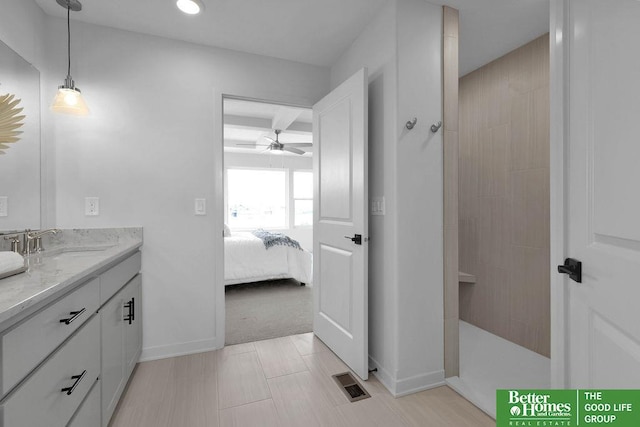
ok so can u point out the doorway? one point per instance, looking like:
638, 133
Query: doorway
340, 141
502, 243
268, 220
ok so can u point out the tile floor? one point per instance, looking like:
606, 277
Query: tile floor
279, 382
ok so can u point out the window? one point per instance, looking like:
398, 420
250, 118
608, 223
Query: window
256, 198
303, 198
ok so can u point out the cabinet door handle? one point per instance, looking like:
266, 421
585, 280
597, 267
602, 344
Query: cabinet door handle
131, 314
78, 378
74, 316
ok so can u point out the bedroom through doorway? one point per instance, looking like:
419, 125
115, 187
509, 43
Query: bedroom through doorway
268, 220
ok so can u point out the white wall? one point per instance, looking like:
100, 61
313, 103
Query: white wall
146, 150
402, 50
22, 29
304, 235
420, 197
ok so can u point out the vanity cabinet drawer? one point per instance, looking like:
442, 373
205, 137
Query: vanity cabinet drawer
27, 344
88, 414
40, 400
112, 280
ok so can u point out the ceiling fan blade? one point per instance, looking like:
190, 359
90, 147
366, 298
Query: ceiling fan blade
293, 150
284, 117
298, 144
252, 145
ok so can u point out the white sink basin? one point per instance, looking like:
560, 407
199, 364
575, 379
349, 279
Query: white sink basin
67, 253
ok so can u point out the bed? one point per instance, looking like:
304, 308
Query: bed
247, 260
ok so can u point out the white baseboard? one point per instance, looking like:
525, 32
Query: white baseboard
403, 387
179, 349
420, 382
384, 376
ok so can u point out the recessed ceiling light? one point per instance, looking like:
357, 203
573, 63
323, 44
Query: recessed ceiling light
190, 7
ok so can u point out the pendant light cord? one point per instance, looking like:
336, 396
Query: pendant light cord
69, 38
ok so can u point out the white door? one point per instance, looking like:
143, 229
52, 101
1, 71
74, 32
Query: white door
340, 215
603, 211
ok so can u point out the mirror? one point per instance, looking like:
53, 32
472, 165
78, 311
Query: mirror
19, 141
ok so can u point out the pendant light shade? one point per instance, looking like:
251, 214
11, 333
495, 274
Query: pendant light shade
69, 99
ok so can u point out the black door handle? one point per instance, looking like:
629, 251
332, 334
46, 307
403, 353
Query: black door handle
573, 268
357, 239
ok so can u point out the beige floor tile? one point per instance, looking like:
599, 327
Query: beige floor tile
375, 411
237, 349
374, 386
301, 397
308, 344
440, 407
262, 413
322, 366
176, 391
229, 388
241, 380
319, 418
328, 362
138, 416
279, 357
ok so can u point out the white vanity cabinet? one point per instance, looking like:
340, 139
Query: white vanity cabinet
65, 362
121, 318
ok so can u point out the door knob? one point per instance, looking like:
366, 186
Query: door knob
573, 268
357, 238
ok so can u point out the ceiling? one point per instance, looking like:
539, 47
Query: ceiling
490, 29
248, 122
312, 31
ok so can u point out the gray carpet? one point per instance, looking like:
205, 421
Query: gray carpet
264, 310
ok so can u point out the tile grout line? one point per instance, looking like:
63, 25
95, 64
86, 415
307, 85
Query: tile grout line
218, 386
248, 403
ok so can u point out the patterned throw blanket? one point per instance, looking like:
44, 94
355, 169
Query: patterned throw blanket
272, 239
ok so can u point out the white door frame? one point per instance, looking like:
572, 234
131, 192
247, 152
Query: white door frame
558, 167
219, 96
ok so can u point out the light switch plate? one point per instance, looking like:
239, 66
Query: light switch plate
92, 206
377, 206
201, 207
4, 206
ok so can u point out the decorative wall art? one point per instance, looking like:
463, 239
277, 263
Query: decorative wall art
10, 121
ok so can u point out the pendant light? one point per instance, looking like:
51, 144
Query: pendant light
69, 99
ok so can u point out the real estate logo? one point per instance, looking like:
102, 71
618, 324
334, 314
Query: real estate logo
537, 407
546, 408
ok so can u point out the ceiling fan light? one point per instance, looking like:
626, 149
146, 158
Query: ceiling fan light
190, 7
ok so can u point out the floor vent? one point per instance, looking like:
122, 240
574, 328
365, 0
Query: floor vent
350, 386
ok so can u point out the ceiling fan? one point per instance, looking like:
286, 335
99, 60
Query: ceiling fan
276, 145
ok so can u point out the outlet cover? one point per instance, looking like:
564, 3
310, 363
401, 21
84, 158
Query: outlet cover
92, 206
201, 207
4, 206
377, 206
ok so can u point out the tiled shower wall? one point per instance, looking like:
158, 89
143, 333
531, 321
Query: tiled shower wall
504, 196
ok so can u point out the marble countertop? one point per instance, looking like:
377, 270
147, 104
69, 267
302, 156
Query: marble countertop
69, 257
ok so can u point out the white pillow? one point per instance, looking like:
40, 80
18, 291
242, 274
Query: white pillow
227, 231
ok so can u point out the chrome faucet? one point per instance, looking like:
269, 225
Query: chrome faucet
15, 242
36, 237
